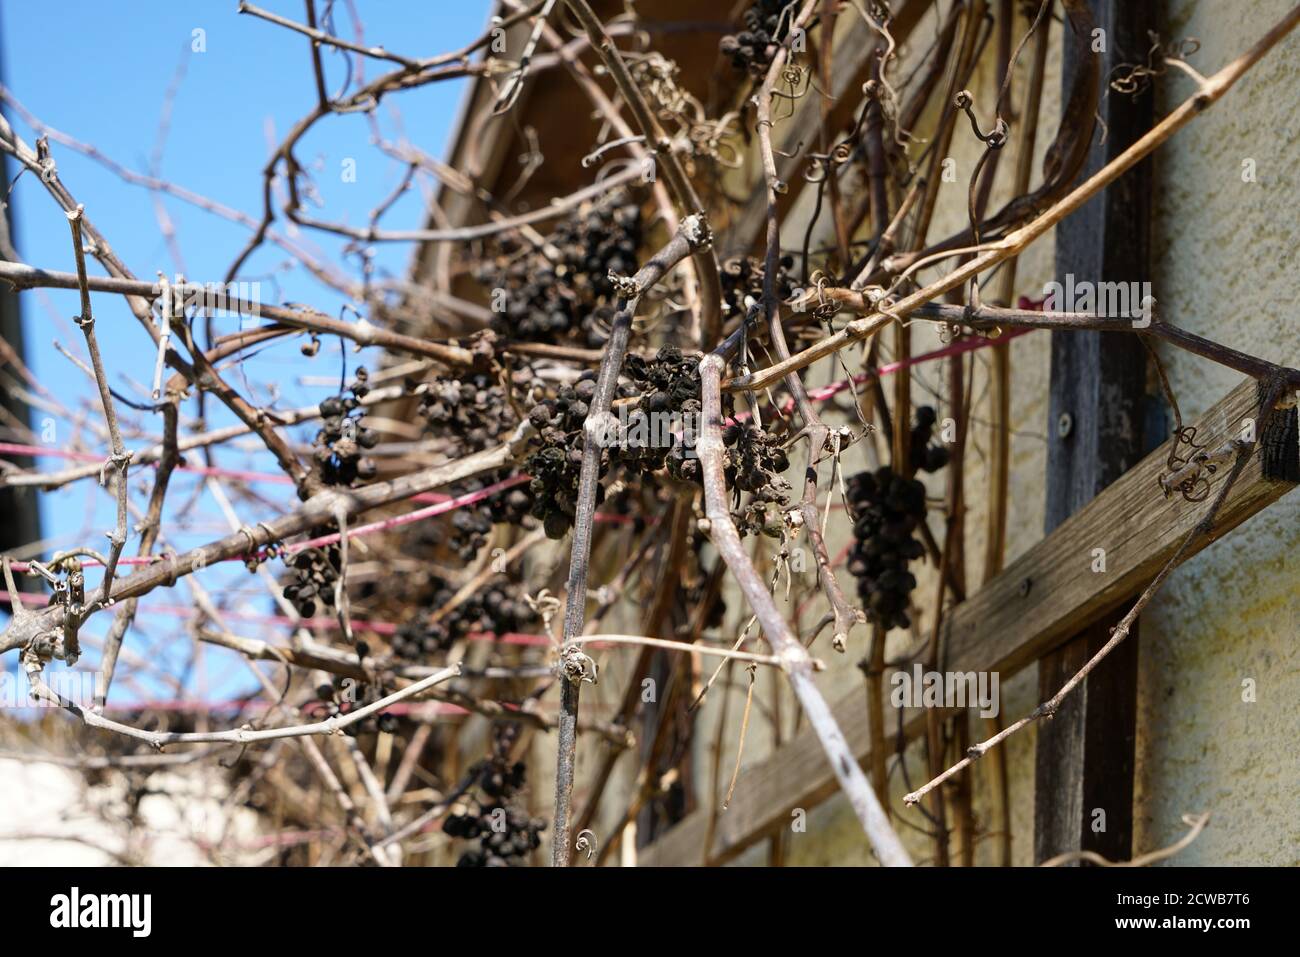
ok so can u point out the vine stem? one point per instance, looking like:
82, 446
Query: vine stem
23, 632
797, 663
695, 649
160, 739
691, 235
991, 318
842, 613
118, 457
22, 276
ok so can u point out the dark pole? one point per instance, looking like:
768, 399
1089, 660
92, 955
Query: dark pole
1083, 781
19, 519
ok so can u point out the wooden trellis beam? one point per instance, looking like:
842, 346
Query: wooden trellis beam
1038, 601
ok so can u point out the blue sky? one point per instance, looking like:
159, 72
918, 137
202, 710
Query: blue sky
99, 72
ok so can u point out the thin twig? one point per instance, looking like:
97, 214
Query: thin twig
1195, 822
118, 459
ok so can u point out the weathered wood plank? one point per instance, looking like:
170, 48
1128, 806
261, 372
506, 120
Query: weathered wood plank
1051, 591
1042, 598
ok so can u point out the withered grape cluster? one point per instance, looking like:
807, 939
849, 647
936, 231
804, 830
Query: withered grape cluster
556, 465
341, 696
754, 463
472, 414
497, 608
566, 297
505, 833
669, 384
338, 446
315, 570
765, 23
887, 508
472, 524
469, 413
668, 381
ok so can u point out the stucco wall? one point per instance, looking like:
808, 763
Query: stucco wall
1225, 268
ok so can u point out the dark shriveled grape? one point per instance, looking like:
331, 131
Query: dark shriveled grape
556, 462
926, 457
314, 571
763, 26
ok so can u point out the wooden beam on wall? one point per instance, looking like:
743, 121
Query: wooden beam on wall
1083, 780
1040, 600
